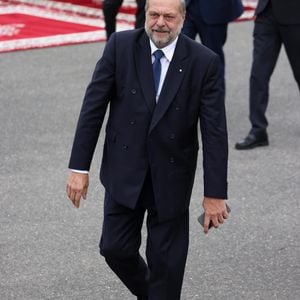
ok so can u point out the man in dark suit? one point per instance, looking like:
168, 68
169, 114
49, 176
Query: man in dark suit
151, 147
277, 23
111, 9
209, 19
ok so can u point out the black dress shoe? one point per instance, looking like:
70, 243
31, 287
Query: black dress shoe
142, 298
251, 141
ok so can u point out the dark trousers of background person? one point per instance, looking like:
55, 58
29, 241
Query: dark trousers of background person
212, 36
110, 11
269, 35
166, 247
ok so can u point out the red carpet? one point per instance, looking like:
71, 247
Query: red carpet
28, 24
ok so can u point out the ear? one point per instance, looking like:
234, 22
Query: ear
183, 16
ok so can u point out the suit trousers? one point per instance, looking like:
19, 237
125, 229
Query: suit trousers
212, 36
110, 11
166, 247
269, 35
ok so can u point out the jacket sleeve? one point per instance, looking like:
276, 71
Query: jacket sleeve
214, 133
93, 109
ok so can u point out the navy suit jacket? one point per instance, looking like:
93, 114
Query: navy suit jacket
285, 11
162, 137
219, 11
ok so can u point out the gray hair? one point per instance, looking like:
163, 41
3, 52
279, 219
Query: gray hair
182, 6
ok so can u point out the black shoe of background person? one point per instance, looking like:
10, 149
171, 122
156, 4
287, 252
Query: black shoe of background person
252, 141
142, 298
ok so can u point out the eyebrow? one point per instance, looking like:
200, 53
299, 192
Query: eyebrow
170, 14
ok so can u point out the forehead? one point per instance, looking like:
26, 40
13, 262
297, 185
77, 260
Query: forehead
164, 6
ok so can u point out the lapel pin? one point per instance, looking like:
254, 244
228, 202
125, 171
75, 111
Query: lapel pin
180, 70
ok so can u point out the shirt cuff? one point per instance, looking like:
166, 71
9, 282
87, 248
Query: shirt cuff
80, 171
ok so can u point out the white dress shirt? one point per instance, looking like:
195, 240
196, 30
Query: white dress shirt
165, 61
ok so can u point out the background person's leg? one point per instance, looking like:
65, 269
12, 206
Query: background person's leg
110, 11
266, 48
290, 35
140, 14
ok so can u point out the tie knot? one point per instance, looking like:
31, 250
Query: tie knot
158, 54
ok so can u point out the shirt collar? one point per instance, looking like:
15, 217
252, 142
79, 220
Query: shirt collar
168, 50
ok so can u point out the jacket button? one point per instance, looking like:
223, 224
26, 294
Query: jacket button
133, 91
177, 108
132, 122
125, 147
172, 160
172, 136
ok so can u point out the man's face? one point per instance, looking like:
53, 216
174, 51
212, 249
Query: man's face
164, 20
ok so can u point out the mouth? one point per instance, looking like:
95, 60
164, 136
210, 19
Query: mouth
160, 31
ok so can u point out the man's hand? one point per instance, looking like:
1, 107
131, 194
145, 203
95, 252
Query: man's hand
77, 187
215, 212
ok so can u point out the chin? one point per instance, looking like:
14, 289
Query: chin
162, 42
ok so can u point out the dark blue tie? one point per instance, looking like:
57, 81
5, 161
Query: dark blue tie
158, 54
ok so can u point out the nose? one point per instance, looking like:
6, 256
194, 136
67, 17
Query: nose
160, 21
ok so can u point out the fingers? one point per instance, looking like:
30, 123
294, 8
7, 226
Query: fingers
207, 223
74, 196
215, 221
221, 219
77, 186
212, 220
84, 193
215, 214
77, 198
225, 214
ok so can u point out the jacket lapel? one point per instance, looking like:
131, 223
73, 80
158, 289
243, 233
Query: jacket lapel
144, 70
174, 76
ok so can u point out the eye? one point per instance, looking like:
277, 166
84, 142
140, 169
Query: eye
169, 18
153, 15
